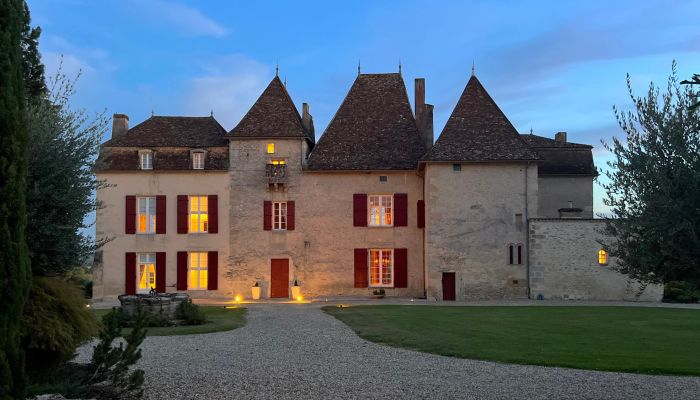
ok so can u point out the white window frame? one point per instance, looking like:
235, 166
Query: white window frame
150, 206
381, 267
199, 213
198, 158
279, 216
146, 159
382, 210
145, 260
190, 267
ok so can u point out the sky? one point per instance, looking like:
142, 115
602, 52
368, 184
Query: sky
550, 65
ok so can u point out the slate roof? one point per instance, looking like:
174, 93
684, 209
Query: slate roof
478, 131
562, 158
374, 129
272, 116
541, 141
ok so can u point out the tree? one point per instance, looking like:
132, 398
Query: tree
654, 188
695, 80
34, 81
15, 271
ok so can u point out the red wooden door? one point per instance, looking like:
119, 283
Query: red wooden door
279, 278
449, 292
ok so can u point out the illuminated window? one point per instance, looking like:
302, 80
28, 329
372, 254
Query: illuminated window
381, 267
278, 162
270, 148
380, 210
515, 254
198, 160
279, 216
146, 272
197, 271
602, 257
146, 215
199, 214
146, 159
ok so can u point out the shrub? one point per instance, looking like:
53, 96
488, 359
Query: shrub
55, 322
681, 292
190, 313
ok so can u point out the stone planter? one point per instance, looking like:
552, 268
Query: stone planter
167, 302
377, 296
255, 291
296, 292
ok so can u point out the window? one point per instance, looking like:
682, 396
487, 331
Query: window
279, 216
383, 178
199, 214
146, 215
381, 267
380, 210
197, 276
198, 160
456, 167
146, 272
270, 148
278, 162
602, 257
515, 254
146, 158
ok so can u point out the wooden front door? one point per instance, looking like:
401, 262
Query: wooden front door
279, 278
449, 292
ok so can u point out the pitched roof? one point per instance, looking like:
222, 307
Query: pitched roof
562, 158
374, 129
160, 131
164, 159
541, 141
272, 116
478, 130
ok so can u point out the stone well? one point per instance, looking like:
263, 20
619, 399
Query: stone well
167, 302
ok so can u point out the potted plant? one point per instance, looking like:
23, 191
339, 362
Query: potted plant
378, 294
256, 291
296, 291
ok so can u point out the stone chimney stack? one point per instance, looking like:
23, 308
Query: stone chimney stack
307, 120
560, 137
424, 114
120, 124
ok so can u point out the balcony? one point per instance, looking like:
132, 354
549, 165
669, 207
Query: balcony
276, 174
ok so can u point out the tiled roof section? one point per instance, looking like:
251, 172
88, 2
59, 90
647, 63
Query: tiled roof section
477, 131
272, 116
160, 131
541, 141
562, 158
374, 129
164, 159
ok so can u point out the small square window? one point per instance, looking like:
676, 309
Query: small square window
270, 148
456, 167
146, 159
383, 178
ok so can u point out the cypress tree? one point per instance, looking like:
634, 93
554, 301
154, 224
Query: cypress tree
15, 272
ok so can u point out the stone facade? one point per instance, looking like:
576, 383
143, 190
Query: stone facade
556, 192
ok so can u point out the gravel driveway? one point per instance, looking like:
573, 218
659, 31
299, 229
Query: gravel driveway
297, 351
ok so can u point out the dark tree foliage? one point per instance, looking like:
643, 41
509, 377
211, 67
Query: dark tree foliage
695, 80
34, 81
15, 272
654, 188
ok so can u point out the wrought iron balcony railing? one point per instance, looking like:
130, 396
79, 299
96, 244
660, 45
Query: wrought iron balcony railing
276, 173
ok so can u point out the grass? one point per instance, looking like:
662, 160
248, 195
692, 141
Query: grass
629, 339
219, 319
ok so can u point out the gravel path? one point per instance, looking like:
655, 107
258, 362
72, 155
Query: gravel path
297, 351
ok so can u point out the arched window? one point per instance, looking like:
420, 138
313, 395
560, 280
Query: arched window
602, 257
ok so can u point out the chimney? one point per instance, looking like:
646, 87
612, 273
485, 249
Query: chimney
560, 137
120, 124
424, 114
307, 120
571, 211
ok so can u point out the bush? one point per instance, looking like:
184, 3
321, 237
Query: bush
81, 276
681, 292
190, 313
55, 322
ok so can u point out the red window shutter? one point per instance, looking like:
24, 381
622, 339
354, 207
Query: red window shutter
290, 215
267, 215
161, 215
359, 209
401, 209
213, 272
361, 279
130, 215
130, 274
421, 213
213, 214
401, 268
181, 270
182, 204
160, 270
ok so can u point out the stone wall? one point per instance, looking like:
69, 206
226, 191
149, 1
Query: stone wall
564, 264
556, 192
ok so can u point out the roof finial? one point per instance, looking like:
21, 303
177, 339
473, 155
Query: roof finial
277, 68
358, 67
285, 81
399, 66
211, 113
473, 68
530, 130
151, 112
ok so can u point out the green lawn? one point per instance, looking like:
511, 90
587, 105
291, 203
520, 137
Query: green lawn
631, 339
218, 319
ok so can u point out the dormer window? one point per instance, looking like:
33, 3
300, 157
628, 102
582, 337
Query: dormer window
146, 159
198, 160
270, 148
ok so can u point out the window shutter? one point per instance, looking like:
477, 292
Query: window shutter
130, 215
181, 270
161, 216
130, 274
290, 215
421, 213
160, 271
213, 213
361, 279
401, 268
213, 272
401, 209
182, 203
267, 215
359, 209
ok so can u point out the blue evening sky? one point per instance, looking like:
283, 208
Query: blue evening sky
550, 65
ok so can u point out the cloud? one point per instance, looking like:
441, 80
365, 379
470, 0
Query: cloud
185, 19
